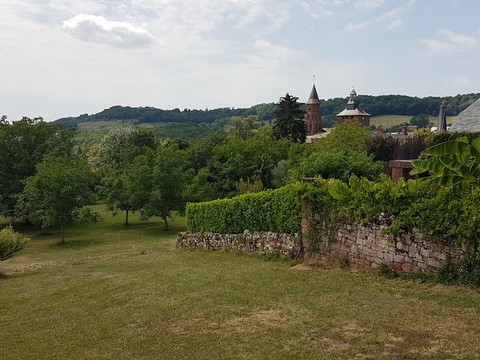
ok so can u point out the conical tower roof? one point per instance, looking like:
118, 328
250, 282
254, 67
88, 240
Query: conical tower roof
313, 99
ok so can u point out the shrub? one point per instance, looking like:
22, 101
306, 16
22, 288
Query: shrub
337, 165
273, 210
11, 242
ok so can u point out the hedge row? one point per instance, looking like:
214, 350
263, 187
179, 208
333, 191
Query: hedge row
272, 210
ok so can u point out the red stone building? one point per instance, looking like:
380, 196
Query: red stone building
353, 113
313, 117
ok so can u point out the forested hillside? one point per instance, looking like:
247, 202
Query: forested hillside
375, 105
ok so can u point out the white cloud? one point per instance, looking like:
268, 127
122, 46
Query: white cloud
357, 26
318, 9
266, 48
461, 41
100, 30
271, 57
450, 42
368, 4
392, 18
395, 24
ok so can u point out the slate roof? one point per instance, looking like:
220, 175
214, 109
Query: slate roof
354, 112
313, 98
468, 119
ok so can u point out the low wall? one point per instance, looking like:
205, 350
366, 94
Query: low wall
363, 247
265, 243
368, 247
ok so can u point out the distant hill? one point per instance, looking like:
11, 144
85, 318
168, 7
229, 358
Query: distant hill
375, 105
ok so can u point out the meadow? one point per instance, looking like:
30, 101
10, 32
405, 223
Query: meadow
125, 292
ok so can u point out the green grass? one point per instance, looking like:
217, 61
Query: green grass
116, 292
387, 121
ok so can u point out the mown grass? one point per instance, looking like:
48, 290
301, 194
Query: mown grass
116, 292
387, 121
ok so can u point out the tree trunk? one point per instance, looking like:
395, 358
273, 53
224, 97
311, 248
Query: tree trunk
166, 223
62, 234
126, 217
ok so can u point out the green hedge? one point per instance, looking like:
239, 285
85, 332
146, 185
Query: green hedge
272, 210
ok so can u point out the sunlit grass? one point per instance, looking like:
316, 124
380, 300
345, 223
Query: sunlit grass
126, 292
387, 121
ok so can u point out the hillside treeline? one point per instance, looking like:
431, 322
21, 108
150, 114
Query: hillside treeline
375, 105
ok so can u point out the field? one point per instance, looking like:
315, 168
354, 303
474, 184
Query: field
116, 292
387, 121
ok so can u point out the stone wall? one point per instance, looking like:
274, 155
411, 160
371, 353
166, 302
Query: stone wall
368, 247
362, 246
265, 243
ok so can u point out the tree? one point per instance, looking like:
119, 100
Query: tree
421, 120
347, 136
244, 128
289, 122
167, 194
22, 145
122, 158
339, 165
58, 192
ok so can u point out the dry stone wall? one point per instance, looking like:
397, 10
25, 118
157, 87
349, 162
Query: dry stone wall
362, 246
368, 247
265, 243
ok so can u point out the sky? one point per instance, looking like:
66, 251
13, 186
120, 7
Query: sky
62, 58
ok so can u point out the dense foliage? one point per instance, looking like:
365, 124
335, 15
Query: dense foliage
273, 210
289, 120
11, 242
23, 144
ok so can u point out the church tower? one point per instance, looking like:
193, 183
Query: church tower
313, 117
353, 112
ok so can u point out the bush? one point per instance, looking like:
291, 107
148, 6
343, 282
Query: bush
11, 242
273, 210
337, 165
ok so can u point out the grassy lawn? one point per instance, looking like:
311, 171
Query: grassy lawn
115, 292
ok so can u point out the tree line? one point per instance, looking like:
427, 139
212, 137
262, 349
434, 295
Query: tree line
375, 105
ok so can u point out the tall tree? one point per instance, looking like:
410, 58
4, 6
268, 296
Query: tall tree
169, 177
23, 144
289, 122
58, 192
123, 158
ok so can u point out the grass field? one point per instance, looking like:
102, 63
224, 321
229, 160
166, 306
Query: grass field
387, 121
116, 292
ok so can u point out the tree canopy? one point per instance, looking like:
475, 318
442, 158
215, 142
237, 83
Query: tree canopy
289, 123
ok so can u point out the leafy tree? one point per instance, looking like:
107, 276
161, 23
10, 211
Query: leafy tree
22, 145
11, 242
347, 136
289, 122
338, 165
123, 158
420, 120
381, 147
250, 160
244, 128
128, 190
58, 192
169, 177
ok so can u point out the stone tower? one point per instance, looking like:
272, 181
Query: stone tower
313, 117
352, 112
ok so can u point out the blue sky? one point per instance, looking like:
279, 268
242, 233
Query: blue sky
64, 58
